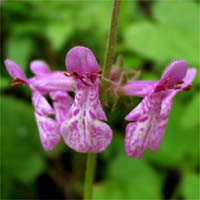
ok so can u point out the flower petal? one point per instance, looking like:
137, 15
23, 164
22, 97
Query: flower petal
139, 88
82, 131
48, 128
14, 70
41, 105
81, 60
174, 73
145, 115
137, 137
54, 81
61, 103
39, 67
158, 132
189, 77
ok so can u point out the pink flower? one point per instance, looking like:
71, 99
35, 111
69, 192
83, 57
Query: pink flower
45, 82
149, 118
84, 130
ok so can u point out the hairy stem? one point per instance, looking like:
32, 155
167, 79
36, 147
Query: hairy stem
89, 176
108, 61
112, 37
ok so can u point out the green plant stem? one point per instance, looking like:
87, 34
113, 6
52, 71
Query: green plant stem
108, 61
112, 37
89, 176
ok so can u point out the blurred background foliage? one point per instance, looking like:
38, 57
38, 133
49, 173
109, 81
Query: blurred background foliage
151, 34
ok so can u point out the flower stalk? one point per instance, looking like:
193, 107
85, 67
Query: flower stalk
90, 174
108, 61
112, 37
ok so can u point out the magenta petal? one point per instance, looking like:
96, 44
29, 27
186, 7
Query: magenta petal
83, 131
14, 70
141, 110
139, 88
61, 103
49, 131
86, 136
41, 105
54, 81
189, 77
137, 138
48, 128
145, 115
174, 73
39, 67
81, 60
158, 132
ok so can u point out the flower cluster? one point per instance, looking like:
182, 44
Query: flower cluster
81, 121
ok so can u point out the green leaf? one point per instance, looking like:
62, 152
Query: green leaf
6, 183
19, 50
108, 190
162, 44
190, 186
34, 166
178, 14
4, 82
129, 178
21, 152
58, 34
190, 118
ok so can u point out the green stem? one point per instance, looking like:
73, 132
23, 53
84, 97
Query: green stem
112, 37
89, 176
108, 61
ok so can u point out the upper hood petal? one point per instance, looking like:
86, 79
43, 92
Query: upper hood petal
174, 73
14, 70
39, 67
81, 60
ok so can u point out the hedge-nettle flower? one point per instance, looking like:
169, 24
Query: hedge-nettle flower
81, 120
45, 82
149, 118
84, 129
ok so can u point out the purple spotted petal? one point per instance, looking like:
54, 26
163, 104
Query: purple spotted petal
14, 70
61, 103
41, 105
39, 67
83, 131
136, 140
145, 116
48, 128
139, 88
174, 73
54, 81
158, 132
81, 60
